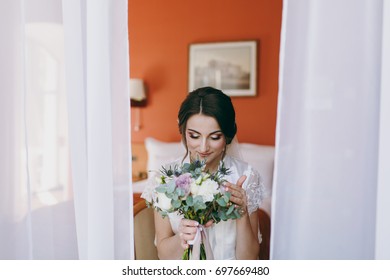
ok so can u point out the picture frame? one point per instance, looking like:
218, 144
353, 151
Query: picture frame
228, 66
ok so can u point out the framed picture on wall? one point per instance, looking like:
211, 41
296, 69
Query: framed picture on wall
229, 66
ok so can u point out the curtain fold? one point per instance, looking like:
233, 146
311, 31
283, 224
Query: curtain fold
382, 248
325, 186
15, 222
97, 65
74, 38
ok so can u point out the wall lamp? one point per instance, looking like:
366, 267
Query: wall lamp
137, 93
137, 100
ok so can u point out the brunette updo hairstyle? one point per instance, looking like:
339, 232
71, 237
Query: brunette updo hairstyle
210, 102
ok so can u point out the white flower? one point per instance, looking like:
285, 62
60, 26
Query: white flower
159, 179
194, 188
207, 189
163, 201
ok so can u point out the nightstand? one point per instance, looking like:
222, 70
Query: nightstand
138, 177
141, 175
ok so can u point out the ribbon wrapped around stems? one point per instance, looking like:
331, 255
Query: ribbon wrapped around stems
201, 237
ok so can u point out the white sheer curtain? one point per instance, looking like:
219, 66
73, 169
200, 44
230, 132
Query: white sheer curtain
382, 249
64, 124
326, 174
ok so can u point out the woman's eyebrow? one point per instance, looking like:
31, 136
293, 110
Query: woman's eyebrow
214, 132
193, 130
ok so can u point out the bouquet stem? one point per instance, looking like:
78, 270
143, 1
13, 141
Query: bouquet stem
202, 252
187, 255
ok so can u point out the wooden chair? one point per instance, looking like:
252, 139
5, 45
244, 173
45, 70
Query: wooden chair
144, 232
265, 229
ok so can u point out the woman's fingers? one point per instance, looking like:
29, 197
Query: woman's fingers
235, 192
188, 227
238, 194
209, 223
185, 223
241, 181
183, 244
236, 188
187, 231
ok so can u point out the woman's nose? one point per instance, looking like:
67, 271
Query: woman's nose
204, 146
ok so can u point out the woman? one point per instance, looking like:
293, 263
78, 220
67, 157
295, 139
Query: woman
207, 125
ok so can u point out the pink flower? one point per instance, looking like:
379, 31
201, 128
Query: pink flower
184, 182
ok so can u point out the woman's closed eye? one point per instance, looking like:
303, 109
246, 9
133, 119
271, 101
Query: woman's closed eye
216, 137
194, 136
212, 137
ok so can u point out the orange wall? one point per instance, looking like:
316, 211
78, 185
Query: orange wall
160, 32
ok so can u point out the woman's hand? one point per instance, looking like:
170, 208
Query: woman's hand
238, 194
187, 231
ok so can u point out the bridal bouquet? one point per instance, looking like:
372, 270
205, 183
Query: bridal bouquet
196, 194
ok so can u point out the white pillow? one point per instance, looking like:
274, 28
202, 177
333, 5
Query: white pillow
261, 158
160, 153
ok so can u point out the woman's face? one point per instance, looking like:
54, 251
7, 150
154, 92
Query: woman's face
205, 140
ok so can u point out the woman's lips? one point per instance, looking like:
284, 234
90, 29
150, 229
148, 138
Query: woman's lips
204, 155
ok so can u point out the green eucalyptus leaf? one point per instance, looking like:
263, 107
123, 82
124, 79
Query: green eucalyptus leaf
190, 201
221, 201
186, 167
222, 216
198, 199
179, 192
199, 206
171, 185
176, 203
161, 189
230, 210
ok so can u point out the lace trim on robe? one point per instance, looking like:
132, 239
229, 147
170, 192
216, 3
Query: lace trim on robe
255, 190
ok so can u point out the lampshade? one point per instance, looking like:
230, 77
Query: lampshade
137, 93
137, 90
